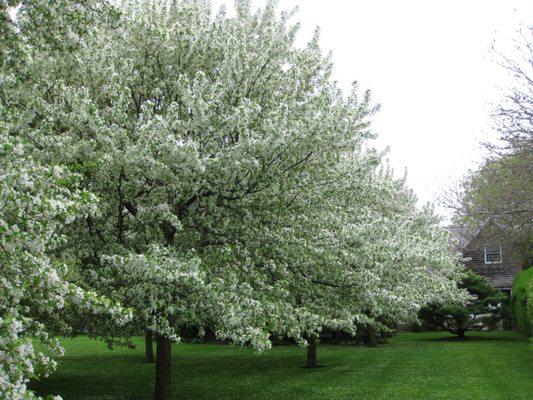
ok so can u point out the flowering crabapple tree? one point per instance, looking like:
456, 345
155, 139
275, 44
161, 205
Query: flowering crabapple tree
362, 255
192, 129
234, 189
38, 200
35, 286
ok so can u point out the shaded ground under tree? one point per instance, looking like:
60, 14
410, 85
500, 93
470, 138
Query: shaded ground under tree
495, 365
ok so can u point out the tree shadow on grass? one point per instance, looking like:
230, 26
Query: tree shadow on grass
117, 376
470, 338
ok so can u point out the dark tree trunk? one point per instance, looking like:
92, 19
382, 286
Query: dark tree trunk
149, 346
311, 352
461, 333
162, 369
371, 336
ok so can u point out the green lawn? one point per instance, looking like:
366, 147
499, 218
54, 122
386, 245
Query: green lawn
496, 365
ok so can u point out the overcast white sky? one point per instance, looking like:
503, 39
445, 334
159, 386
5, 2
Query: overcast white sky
428, 64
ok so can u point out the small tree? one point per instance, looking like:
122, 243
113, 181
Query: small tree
485, 309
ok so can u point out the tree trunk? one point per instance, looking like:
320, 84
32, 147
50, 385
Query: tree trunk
162, 369
371, 336
149, 346
311, 352
461, 333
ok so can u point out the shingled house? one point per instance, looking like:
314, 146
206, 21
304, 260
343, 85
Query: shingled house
492, 253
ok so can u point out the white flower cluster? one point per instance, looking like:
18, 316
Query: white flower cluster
30, 217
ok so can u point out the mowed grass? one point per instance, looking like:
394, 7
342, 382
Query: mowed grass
435, 365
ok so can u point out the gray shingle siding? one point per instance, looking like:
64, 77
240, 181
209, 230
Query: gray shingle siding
500, 275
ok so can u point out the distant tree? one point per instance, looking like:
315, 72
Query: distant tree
513, 115
485, 309
508, 172
502, 187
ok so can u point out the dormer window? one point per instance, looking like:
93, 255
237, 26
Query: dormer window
493, 254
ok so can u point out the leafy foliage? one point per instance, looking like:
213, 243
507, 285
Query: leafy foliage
522, 302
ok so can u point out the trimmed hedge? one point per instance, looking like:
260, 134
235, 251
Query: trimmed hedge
522, 302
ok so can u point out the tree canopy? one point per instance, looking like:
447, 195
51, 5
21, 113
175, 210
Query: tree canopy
38, 293
501, 188
226, 181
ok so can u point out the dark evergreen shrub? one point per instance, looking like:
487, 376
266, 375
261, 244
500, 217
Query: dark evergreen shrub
485, 312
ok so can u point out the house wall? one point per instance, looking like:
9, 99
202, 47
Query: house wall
500, 275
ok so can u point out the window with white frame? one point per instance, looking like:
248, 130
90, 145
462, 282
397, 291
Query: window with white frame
493, 254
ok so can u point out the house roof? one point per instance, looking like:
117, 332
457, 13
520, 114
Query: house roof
464, 237
488, 222
459, 234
